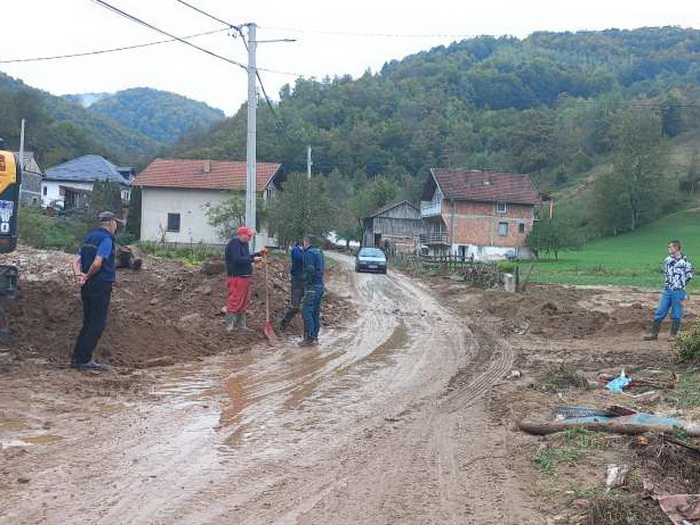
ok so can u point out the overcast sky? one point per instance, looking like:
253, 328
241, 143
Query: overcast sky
333, 38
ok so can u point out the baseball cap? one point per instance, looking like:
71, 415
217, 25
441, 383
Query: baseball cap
107, 216
244, 230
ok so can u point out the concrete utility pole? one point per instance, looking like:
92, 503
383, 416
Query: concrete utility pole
21, 148
309, 162
251, 161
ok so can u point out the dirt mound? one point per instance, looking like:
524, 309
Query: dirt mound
557, 311
163, 314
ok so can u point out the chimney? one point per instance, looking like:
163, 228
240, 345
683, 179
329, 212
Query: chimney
207, 166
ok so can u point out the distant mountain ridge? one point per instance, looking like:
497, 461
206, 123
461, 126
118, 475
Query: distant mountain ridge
87, 99
58, 129
163, 116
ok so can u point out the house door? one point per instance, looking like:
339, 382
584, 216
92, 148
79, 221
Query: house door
377, 240
463, 252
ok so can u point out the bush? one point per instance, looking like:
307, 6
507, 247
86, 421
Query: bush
42, 231
688, 343
194, 255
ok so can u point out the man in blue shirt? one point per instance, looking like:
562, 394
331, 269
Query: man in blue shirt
94, 272
296, 271
314, 268
678, 271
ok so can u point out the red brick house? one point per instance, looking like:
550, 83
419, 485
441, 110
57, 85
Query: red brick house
477, 214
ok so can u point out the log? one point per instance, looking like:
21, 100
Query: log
631, 425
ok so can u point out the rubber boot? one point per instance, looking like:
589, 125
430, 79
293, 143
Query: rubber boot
675, 327
243, 322
653, 334
231, 321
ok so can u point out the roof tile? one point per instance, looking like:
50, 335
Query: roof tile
203, 174
486, 186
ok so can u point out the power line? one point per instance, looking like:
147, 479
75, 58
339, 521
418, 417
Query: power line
195, 8
239, 30
126, 15
382, 35
262, 87
112, 50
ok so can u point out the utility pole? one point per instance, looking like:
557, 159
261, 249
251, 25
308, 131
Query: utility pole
21, 148
309, 162
251, 161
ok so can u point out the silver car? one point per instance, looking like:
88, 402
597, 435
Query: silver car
371, 260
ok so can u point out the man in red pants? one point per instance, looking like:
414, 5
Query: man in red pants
239, 268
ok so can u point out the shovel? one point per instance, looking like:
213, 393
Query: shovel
269, 331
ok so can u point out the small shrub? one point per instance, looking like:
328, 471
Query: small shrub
688, 343
39, 230
193, 255
506, 266
559, 378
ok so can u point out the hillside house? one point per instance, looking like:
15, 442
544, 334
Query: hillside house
68, 185
395, 227
32, 177
175, 194
478, 215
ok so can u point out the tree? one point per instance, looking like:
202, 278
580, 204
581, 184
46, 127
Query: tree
105, 196
301, 207
226, 216
690, 182
133, 223
551, 236
638, 164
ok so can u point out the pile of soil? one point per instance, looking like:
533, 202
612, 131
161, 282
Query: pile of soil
162, 314
562, 312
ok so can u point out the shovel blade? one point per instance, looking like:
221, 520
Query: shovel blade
270, 332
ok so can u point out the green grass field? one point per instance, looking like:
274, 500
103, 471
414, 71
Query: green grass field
633, 259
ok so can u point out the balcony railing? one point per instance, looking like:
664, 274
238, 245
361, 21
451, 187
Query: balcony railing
439, 238
430, 209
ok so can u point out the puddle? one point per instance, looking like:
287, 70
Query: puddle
397, 340
12, 443
42, 440
110, 409
12, 425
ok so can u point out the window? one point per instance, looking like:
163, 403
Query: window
502, 228
501, 207
173, 222
521, 227
46, 191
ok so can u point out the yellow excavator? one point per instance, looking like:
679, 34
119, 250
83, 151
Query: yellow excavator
10, 181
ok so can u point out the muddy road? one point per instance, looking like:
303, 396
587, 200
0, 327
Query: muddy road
385, 422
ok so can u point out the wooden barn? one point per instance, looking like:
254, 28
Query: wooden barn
394, 228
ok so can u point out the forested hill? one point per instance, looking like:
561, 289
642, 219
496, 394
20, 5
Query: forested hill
544, 105
161, 115
58, 130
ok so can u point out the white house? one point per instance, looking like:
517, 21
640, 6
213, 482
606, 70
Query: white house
175, 194
67, 184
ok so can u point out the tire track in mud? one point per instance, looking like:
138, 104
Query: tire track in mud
383, 423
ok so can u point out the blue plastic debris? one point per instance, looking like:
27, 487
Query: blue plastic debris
618, 384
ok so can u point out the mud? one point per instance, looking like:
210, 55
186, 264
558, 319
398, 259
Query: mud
164, 314
385, 422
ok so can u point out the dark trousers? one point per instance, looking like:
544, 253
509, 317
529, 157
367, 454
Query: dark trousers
95, 296
295, 302
312, 311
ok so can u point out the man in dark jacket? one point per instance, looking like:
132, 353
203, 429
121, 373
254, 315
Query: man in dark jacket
296, 271
314, 269
239, 268
94, 272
